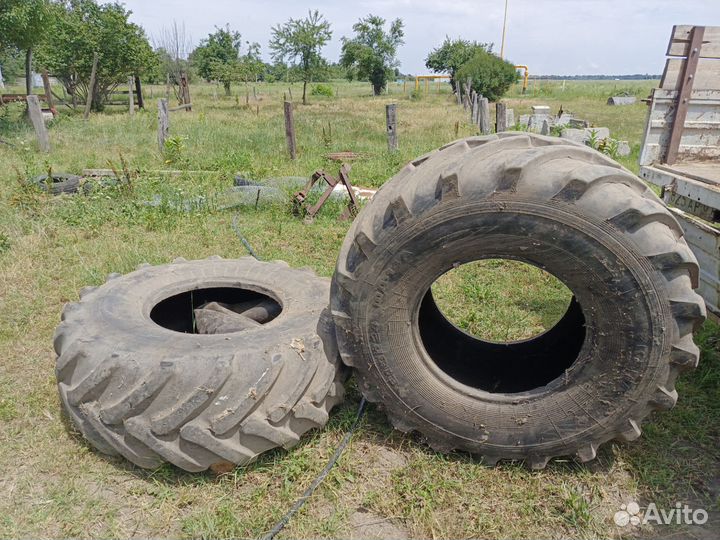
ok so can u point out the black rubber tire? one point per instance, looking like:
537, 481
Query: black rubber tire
557, 205
151, 394
61, 183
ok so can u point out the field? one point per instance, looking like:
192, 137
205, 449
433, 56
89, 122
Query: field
386, 484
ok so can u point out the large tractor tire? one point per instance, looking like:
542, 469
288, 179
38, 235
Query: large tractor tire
138, 380
565, 208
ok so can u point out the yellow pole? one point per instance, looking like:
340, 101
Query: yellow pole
417, 83
502, 45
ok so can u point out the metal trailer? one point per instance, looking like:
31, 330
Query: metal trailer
681, 147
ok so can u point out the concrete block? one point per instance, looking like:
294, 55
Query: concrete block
564, 119
584, 135
510, 117
599, 133
578, 123
623, 148
621, 100
574, 134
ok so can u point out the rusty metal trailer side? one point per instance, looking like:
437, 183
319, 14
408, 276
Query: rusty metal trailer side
681, 146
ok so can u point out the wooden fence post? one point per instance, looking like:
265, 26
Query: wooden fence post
185, 92
473, 108
38, 122
391, 120
48, 92
91, 87
458, 92
163, 123
467, 102
290, 129
131, 95
484, 115
500, 117
138, 90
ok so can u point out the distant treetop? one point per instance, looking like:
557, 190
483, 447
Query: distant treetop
453, 53
371, 54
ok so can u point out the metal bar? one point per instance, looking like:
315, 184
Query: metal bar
331, 182
684, 92
180, 107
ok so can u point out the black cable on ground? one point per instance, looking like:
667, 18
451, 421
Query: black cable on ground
315, 483
280, 525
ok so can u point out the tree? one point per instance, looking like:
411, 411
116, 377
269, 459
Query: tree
491, 75
299, 42
251, 65
12, 61
370, 55
279, 71
218, 58
172, 47
452, 54
80, 29
22, 25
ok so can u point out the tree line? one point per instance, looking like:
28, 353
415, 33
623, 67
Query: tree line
296, 51
64, 36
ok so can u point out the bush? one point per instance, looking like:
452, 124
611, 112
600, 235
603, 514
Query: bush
322, 90
491, 75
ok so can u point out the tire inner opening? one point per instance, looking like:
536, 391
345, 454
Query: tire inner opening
501, 326
215, 310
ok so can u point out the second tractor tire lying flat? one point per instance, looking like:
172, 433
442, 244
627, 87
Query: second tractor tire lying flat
137, 381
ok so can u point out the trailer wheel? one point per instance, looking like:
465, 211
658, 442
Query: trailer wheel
137, 380
565, 208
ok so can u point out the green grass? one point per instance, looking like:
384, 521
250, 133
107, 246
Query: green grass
520, 300
53, 485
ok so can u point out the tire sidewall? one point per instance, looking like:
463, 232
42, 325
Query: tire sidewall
116, 317
598, 392
67, 183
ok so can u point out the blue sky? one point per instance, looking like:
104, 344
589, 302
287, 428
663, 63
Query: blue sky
550, 36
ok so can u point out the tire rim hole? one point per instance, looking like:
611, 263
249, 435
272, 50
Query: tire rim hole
215, 310
501, 326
